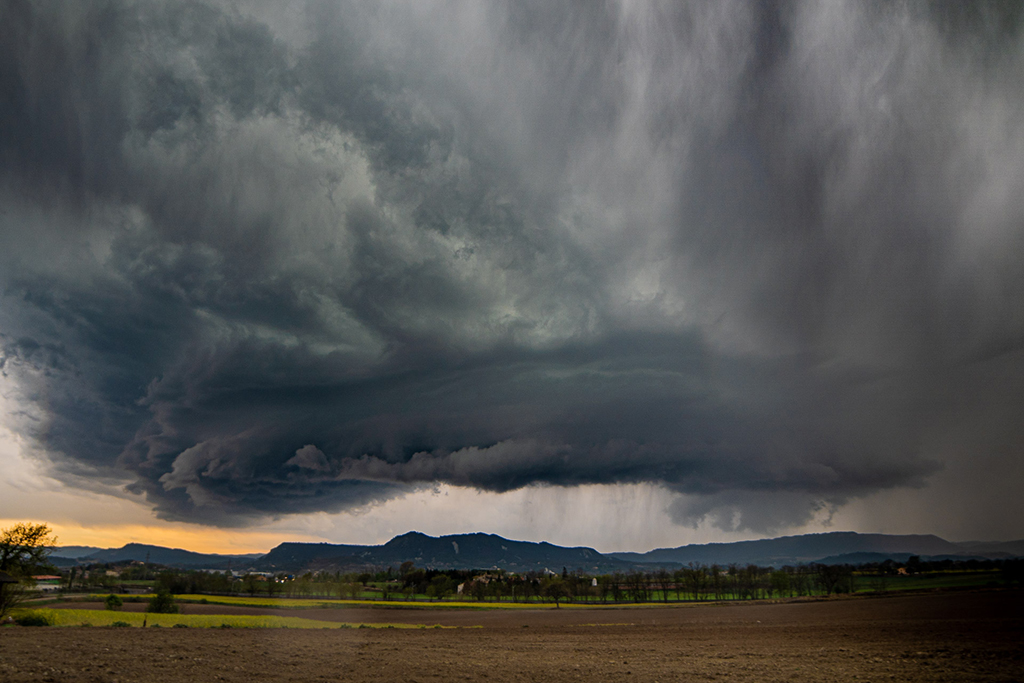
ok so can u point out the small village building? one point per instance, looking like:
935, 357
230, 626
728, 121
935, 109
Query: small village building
47, 582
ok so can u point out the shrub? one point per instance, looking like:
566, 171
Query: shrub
32, 619
162, 603
180, 625
121, 624
113, 602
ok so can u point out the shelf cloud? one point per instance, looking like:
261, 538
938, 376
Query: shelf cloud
313, 256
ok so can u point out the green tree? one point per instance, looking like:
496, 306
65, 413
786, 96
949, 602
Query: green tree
113, 602
252, 583
440, 587
162, 603
555, 588
386, 589
24, 550
353, 589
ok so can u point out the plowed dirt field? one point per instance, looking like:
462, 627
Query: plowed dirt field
963, 636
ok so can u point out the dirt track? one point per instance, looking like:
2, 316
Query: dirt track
939, 637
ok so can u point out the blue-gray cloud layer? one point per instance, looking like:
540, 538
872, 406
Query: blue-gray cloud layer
309, 256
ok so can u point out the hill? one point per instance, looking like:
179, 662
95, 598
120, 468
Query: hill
171, 557
793, 550
993, 549
487, 551
460, 551
74, 551
877, 558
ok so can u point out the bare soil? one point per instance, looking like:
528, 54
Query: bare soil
960, 636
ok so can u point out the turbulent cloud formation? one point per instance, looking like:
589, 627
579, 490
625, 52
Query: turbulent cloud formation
311, 256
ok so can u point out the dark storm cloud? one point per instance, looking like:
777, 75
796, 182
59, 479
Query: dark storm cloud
313, 257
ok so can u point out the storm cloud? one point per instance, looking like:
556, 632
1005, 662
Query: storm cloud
312, 256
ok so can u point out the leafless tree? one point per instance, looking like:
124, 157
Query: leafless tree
664, 581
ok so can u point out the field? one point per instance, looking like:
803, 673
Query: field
97, 616
312, 603
942, 636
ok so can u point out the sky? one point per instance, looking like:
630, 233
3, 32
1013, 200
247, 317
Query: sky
623, 275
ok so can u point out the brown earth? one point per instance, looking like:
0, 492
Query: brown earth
960, 636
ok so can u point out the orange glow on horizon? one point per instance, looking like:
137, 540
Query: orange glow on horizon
196, 539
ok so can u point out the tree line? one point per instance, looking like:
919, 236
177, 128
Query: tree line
24, 549
695, 582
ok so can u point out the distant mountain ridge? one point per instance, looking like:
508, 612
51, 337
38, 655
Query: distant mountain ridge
484, 551
487, 551
459, 551
792, 550
75, 551
141, 552
872, 558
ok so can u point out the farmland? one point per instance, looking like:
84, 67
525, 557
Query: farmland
100, 617
310, 603
951, 635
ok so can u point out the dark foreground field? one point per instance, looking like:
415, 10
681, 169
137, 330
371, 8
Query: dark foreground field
937, 637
